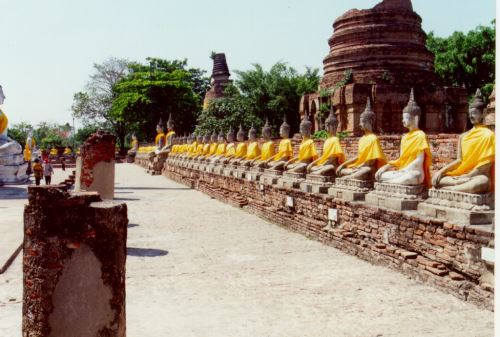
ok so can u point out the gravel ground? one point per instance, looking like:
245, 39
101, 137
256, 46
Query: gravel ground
198, 267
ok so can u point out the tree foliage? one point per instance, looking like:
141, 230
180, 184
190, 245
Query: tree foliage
259, 94
466, 59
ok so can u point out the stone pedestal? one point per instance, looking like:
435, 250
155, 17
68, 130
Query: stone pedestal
316, 183
12, 165
458, 207
96, 165
218, 169
291, 180
156, 165
397, 197
228, 170
270, 177
240, 172
254, 173
350, 189
73, 264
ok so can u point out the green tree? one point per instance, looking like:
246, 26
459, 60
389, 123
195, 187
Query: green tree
19, 132
466, 59
155, 90
93, 105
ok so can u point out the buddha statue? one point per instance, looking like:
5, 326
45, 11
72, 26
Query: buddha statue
230, 147
472, 171
169, 136
160, 137
12, 164
241, 148
285, 149
53, 152
253, 149
212, 148
199, 147
307, 151
134, 144
370, 155
220, 150
413, 166
267, 151
30, 150
193, 139
206, 146
67, 151
333, 155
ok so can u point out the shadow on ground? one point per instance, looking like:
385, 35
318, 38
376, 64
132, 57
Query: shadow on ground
12, 192
130, 225
126, 199
146, 252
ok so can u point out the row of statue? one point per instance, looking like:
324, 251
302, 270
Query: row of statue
471, 172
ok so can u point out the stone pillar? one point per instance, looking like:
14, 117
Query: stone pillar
74, 264
96, 165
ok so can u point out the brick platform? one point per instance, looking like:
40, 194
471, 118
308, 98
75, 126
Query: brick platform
434, 252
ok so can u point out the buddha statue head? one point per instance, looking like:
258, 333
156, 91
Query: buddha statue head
252, 134
411, 113
199, 138
206, 138
240, 136
306, 126
230, 135
285, 129
160, 127
477, 109
267, 130
213, 138
192, 138
367, 118
331, 123
170, 123
221, 138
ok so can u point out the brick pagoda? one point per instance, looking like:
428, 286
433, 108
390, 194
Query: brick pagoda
380, 53
220, 79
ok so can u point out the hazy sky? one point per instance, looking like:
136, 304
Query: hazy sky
49, 46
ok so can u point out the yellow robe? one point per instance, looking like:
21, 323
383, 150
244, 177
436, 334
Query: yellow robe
192, 149
478, 149
267, 151
253, 151
213, 148
369, 149
241, 150
206, 149
168, 135
27, 153
230, 150
4, 121
199, 150
331, 149
307, 151
285, 150
221, 149
160, 136
412, 144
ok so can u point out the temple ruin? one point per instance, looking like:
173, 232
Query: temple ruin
219, 79
380, 53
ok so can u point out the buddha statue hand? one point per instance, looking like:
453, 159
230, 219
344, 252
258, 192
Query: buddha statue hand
382, 170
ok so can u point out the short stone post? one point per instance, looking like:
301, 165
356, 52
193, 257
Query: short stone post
73, 265
95, 167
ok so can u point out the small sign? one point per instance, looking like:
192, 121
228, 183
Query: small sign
289, 201
488, 254
332, 214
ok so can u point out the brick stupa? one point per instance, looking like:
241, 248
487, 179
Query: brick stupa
380, 53
219, 79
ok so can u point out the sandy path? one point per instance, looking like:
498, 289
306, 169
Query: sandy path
197, 267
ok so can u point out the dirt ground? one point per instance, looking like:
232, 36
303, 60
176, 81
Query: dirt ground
198, 267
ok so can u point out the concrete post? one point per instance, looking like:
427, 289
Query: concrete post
95, 167
73, 265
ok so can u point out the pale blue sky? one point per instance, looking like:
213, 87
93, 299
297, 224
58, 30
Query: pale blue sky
48, 47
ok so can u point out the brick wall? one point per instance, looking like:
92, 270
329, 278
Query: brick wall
434, 252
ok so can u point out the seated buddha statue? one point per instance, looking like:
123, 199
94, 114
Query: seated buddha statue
205, 147
307, 151
12, 164
53, 152
212, 148
241, 147
220, 150
230, 148
169, 136
253, 149
370, 156
413, 165
472, 171
332, 155
134, 145
160, 137
67, 151
267, 150
285, 150
193, 146
199, 148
